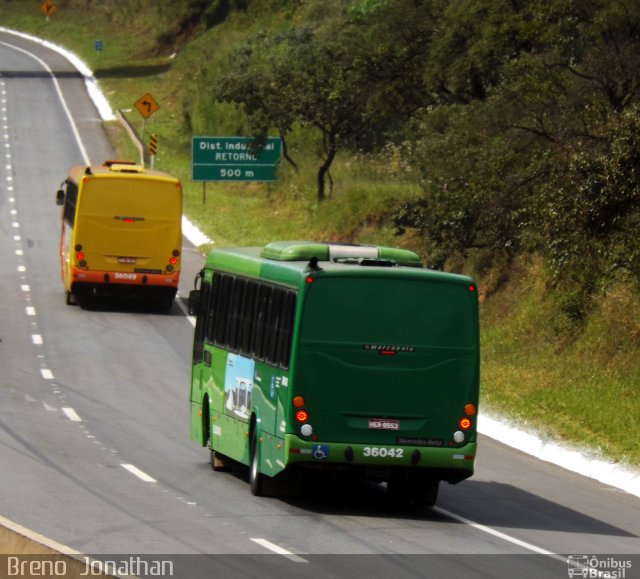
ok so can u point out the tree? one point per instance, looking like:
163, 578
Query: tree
294, 77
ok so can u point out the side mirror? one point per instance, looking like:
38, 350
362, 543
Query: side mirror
60, 197
194, 302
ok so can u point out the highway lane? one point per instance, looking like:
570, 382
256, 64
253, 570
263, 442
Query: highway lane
84, 393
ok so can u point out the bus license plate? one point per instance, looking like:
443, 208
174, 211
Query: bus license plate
384, 424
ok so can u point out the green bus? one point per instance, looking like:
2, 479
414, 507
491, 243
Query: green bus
336, 358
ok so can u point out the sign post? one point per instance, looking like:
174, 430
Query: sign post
153, 147
48, 8
146, 106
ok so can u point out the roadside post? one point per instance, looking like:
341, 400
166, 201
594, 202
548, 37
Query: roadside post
146, 106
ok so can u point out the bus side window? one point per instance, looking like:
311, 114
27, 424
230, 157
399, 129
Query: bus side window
213, 306
70, 200
274, 321
262, 307
198, 342
286, 329
221, 325
236, 314
248, 307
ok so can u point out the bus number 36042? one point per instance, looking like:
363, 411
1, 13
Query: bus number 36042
383, 452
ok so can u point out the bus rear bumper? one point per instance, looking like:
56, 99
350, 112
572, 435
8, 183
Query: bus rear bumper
378, 461
95, 278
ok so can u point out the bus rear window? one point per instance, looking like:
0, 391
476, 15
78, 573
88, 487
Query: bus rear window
147, 198
390, 311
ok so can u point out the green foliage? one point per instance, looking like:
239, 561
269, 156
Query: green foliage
592, 219
298, 77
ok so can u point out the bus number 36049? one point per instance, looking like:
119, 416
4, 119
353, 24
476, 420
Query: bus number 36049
383, 452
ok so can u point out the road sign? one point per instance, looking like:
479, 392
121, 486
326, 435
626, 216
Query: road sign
153, 144
98, 45
48, 8
147, 105
234, 159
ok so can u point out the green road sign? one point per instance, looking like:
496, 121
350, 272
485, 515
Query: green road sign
234, 159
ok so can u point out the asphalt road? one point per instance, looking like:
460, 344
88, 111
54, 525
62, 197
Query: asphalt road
94, 444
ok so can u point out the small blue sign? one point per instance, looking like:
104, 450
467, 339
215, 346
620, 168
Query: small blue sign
98, 45
320, 451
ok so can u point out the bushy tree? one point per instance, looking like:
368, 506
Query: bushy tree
296, 77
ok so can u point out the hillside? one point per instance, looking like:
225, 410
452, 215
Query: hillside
468, 147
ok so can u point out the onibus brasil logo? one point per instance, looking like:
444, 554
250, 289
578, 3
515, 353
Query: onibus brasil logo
597, 567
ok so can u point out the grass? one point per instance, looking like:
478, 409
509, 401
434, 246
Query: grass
572, 382
575, 384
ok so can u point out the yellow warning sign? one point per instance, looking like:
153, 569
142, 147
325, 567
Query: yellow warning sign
47, 8
147, 105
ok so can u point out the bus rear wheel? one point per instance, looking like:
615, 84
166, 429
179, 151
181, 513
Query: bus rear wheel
256, 478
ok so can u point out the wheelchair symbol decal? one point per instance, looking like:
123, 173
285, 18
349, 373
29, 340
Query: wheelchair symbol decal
320, 451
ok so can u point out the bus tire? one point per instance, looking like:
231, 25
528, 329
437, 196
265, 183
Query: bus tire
426, 494
71, 298
256, 478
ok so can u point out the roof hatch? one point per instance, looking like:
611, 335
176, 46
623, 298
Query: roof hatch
123, 167
340, 253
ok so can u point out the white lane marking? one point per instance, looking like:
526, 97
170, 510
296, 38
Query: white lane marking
503, 536
49, 408
31, 311
137, 472
193, 234
74, 128
46, 373
36, 339
71, 414
36, 537
25, 288
192, 319
279, 550
614, 474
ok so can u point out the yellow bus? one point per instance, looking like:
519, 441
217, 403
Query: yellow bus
121, 232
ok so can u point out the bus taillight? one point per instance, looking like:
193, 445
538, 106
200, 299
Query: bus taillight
470, 409
173, 260
80, 257
464, 423
302, 416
